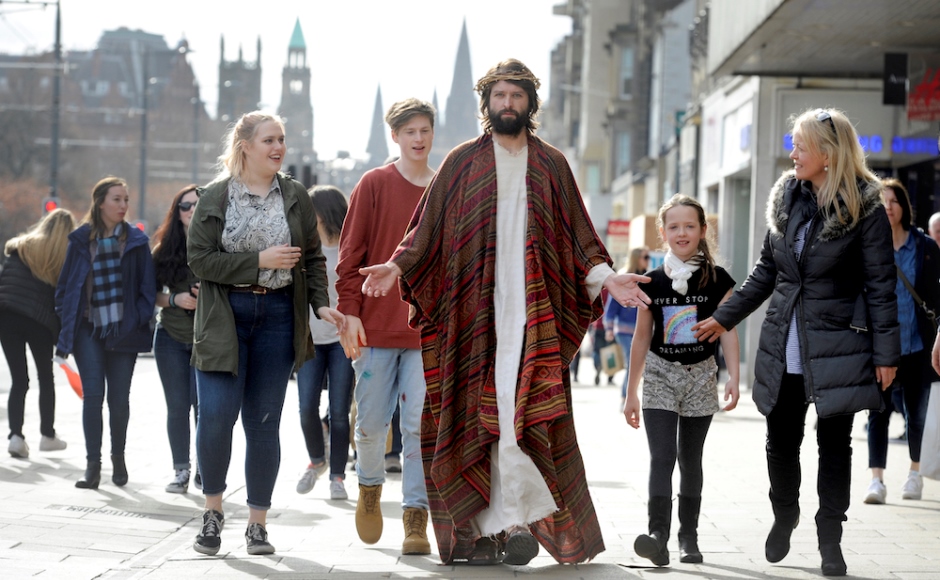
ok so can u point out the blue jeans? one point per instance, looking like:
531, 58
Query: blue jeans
98, 366
913, 382
386, 377
626, 343
331, 364
264, 326
179, 389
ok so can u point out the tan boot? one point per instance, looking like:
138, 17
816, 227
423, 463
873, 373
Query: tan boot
369, 513
416, 532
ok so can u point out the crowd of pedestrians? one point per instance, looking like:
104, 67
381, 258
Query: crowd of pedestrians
456, 300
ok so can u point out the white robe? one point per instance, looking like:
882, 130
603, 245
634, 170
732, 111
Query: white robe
518, 493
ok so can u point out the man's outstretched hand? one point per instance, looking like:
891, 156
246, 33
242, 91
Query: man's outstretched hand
380, 278
624, 289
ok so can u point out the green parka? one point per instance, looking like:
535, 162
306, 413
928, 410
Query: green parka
215, 346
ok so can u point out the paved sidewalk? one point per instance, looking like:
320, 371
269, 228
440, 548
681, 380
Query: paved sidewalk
50, 529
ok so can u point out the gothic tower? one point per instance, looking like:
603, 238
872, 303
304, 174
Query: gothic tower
297, 110
378, 146
239, 85
460, 122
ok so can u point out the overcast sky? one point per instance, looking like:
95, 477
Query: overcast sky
407, 46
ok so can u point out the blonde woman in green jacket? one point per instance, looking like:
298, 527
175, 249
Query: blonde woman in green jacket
253, 243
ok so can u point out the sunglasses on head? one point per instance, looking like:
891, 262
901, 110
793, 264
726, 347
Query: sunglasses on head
186, 205
823, 116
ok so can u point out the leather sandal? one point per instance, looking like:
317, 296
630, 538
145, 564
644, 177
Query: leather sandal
485, 553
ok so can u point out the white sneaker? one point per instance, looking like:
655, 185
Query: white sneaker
876, 492
180, 483
338, 489
52, 443
310, 476
18, 447
913, 487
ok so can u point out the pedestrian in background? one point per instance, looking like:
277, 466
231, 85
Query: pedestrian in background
254, 246
386, 353
620, 321
933, 227
830, 336
680, 375
27, 317
917, 260
177, 289
105, 299
330, 364
503, 298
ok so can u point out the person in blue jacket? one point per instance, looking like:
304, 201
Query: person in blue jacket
620, 320
105, 299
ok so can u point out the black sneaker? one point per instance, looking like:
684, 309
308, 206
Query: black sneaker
257, 539
210, 537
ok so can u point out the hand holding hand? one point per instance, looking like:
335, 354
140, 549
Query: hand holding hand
624, 289
379, 279
282, 257
332, 316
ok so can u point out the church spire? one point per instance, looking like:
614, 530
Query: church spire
378, 146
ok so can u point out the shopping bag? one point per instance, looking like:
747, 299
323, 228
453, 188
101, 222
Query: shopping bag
611, 359
930, 444
75, 381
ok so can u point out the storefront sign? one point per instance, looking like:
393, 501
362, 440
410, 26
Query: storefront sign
923, 99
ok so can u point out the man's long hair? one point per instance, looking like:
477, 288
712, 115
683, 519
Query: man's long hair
513, 71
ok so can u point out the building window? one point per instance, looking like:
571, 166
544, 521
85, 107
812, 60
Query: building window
622, 152
593, 178
296, 87
626, 73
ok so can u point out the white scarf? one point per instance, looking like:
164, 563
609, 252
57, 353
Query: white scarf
680, 271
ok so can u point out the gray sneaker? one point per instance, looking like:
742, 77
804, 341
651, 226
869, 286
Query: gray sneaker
310, 476
180, 483
257, 539
338, 488
18, 447
52, 443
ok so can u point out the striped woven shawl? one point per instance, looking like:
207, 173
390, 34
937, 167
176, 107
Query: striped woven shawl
448, 262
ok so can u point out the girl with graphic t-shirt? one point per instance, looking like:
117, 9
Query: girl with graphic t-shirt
680, 375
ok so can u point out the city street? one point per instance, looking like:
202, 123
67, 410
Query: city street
50, 529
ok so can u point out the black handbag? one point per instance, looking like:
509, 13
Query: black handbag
931, 315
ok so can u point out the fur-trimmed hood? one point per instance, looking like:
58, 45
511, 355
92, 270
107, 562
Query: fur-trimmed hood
832, 229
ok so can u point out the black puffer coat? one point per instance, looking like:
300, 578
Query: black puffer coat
843, 291
23, 293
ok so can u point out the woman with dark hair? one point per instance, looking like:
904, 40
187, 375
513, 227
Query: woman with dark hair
105, 298
177, 289
27, 317
620, 320
830, 337
917, 259
253, 243
330, 363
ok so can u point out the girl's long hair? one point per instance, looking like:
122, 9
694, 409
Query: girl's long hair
634, 260
330, 205
42, 247
93, 217
840, 195
708, 264
169, 244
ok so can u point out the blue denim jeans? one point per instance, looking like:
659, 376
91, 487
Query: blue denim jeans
386, 377
179, 390
99, 367
332, 365
264, 326
626, 343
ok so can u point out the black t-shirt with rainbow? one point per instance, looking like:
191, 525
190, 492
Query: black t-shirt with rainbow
675, 314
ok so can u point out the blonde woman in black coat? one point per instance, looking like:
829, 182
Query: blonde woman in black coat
830, 337
27, 317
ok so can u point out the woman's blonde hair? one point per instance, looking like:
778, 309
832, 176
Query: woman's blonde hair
828, 132
634, 261
232, 161
42, 248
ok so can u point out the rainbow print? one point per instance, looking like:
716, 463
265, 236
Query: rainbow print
677, 324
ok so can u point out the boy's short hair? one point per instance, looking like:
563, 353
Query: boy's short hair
401, 112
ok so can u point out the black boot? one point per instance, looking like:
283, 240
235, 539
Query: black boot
92, 476
653, 546
688, 529
833, 564
119, 471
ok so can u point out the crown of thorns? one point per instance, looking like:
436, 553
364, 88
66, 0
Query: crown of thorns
516, 75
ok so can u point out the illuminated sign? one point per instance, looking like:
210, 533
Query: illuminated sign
877, 144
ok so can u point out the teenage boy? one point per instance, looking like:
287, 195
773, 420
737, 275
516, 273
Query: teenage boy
386, 353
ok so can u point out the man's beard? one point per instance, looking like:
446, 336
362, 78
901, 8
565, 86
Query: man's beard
507, 125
